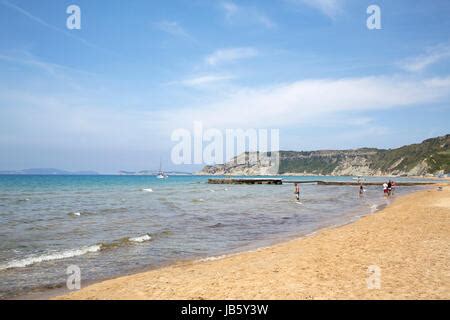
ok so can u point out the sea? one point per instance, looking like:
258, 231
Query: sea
111, 225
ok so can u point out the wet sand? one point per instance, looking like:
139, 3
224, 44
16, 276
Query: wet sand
408, 243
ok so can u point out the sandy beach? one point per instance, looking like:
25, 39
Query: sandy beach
408, 242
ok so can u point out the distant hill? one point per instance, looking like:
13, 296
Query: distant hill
432, 156
48, 171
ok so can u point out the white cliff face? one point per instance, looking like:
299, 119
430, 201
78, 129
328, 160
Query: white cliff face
420, 169
357, 166
246, 164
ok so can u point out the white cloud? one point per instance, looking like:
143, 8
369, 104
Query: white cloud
57, 120
288, 105
76, 134
432, 56
205, 80
330, 8
231, 54
67, 120
230, 8
438, 82
311, 101
245, 15
172, 28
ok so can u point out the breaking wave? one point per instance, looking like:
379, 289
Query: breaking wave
141, 238
70, 253
21, 263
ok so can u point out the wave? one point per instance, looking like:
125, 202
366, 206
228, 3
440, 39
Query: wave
147, 190
125, 242
25, 262
143, 238
214, 258
49, 257
80, 213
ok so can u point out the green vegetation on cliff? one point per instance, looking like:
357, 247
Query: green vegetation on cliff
429, 157
435, 153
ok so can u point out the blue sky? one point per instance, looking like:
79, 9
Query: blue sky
108, 96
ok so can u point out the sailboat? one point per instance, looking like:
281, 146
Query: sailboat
161, 174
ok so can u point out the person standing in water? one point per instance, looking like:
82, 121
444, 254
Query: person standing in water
297, 192
385, 189
361, 190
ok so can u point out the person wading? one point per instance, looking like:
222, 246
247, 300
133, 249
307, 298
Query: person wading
297, 191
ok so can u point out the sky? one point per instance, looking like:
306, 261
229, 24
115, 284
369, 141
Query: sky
108, 97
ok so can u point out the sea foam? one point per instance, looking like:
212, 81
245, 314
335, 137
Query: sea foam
143, 238
49, 257
28, 261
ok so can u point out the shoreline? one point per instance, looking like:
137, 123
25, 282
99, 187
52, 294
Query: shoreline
279, 272
61, 290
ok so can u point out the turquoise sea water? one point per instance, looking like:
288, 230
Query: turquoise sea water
112, 225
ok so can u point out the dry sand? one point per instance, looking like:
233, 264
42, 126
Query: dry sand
409, 241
